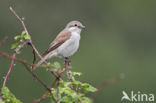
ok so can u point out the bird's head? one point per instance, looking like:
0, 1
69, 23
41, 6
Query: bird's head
74, 26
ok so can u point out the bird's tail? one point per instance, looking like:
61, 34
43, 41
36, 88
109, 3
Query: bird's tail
41, 61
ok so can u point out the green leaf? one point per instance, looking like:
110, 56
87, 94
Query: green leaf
56, 66
86, 100
23, 33
17, 37
91, 89
8, 97
75, 73
27, 36
22, 36
1, 101
15, 45
68, 95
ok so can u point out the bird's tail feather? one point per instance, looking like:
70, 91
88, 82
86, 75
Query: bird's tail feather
41, 61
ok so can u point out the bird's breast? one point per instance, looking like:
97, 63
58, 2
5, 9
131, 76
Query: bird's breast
70, 46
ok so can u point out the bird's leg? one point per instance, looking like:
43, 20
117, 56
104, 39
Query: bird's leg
67, 63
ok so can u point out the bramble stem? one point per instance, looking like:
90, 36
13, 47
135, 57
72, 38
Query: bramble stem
12, 62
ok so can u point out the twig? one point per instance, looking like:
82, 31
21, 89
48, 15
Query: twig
67, 62
107, 82
35, 50
20, 60
36, 77
25, 64
0, 96
34, 57
18, 49
20, 19
3, 40
57, 92
30, 41
12, 62
52, 85
45, 94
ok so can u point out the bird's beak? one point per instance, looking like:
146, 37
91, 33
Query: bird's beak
83, 27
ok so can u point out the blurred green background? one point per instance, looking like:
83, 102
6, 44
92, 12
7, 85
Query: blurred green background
120, 37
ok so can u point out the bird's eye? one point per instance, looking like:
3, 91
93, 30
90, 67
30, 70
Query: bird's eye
75, 25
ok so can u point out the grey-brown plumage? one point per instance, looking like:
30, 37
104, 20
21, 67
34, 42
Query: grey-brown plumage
66, 43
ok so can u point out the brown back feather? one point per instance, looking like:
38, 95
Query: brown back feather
60, 39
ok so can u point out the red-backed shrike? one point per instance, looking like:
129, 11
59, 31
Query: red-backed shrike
65, 44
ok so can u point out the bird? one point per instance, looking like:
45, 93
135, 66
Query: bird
65, 44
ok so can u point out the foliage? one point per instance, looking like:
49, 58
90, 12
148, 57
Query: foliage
20, 39
56, 66
65, 94
8, 97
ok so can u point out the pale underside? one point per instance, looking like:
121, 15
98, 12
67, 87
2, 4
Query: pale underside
66, 47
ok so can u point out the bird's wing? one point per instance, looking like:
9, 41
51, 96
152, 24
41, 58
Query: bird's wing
60, 39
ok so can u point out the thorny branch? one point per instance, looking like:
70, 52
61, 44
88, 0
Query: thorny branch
35, 51
52, 85
30, 41
18, 49
12, 62
20, 60
25, 64
20, 19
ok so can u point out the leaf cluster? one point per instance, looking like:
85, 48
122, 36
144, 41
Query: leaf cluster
20, 39
8, 97
65, 94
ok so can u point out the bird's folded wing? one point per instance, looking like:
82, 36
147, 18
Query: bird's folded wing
60, 39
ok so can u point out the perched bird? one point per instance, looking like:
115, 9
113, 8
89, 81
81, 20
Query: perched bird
65, 44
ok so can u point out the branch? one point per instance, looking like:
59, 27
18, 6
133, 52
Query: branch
12, 62
20, 60
35, 51
18, 49
30, 41
52, 85
45, 94
25, 64
107, 82
36, 77
20, 19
